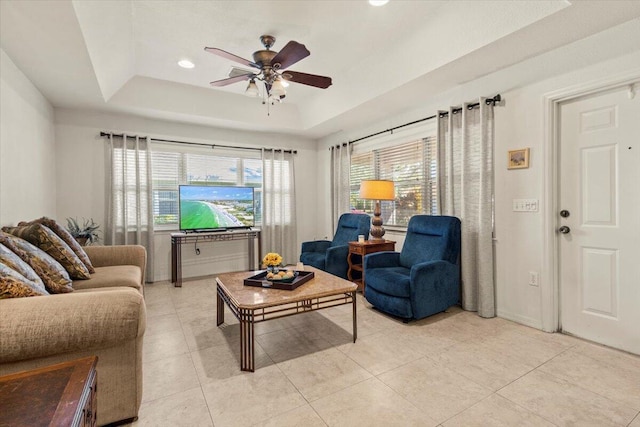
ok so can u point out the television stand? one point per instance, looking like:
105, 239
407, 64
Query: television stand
179, 239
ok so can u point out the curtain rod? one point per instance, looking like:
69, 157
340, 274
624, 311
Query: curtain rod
488, 101
201, 144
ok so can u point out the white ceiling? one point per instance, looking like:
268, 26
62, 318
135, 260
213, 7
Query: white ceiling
122, 55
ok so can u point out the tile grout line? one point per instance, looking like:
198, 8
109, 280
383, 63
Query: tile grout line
496, 393
578, 385
532, 370
189, 352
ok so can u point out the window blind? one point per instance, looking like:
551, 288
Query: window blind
170, 169
411, 166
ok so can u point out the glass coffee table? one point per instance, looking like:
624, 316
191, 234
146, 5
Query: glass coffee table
251, 305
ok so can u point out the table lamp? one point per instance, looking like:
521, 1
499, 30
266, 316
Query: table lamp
377, 190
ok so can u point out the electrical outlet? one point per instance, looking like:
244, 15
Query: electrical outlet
533, 278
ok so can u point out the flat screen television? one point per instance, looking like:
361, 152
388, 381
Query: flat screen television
215, 208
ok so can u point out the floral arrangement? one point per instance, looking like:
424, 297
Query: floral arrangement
272, 259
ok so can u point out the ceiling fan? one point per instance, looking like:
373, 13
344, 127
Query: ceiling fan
270, 67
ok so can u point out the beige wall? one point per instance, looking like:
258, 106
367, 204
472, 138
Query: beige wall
81, 180
519, 245
27, 148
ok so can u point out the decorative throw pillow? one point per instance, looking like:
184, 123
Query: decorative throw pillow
15, 285
49, 242
55, 277
14, 262
67, 237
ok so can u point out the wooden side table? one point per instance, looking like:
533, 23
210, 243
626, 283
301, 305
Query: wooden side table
57, 395
362, 249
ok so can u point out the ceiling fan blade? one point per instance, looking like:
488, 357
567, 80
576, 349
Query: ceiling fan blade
235, 71
230, 80
307, 79
289, 55
231, 56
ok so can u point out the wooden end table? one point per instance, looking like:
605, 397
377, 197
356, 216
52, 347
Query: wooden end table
57, 395
362, 249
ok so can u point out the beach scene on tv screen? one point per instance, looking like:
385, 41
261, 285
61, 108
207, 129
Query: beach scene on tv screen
215, 207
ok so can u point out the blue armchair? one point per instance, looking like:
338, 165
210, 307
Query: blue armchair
331, 256
424, 278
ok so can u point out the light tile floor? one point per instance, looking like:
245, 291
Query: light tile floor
452, 369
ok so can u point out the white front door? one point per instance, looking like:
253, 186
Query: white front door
599, 221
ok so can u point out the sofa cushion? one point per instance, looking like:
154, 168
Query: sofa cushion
49, 242
110, 276
55, 277
14, 262
15, 285
67, 237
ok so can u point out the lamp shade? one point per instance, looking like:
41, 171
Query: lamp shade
277, 89
252, 89
377, 190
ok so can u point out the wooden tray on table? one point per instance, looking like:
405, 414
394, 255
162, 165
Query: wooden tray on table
260, 280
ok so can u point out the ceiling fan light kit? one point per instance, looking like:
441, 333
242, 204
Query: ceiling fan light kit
252, 89
270, 65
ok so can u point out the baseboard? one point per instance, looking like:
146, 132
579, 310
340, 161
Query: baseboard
518, 318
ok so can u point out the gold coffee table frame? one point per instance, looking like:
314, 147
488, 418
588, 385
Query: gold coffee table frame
251, 305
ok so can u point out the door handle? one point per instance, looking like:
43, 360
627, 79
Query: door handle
564, 229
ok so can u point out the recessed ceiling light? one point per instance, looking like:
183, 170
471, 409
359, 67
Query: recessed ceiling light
378, 2
185, 63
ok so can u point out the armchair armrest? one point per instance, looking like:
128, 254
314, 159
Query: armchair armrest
103, 256
48, 325
336, 261
316, 246
381, 260
435, 286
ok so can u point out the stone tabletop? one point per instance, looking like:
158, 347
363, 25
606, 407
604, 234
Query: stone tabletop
250, 297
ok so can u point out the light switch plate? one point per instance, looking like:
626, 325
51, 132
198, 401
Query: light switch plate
525, 205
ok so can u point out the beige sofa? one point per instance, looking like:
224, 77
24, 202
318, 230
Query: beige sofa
104, 316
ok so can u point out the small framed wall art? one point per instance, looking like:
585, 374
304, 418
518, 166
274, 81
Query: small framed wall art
518, 159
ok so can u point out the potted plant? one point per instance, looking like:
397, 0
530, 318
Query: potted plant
85, 234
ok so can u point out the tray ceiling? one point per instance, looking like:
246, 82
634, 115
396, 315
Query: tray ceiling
122, 55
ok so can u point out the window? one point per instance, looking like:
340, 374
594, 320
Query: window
171, 168
411, 166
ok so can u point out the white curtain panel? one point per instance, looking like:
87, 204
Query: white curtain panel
465, 186
340, 182
130, 206
279, 205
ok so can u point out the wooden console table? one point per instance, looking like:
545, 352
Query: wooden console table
57, 395
179, 239
362, 249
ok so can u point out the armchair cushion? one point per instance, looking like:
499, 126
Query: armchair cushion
394, 281
331, 256
349, 227
431, 238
